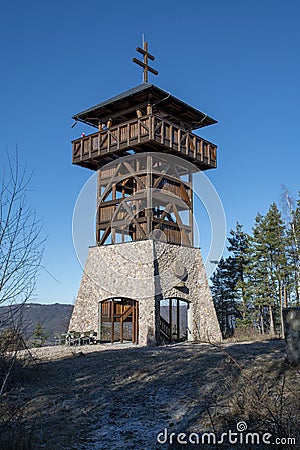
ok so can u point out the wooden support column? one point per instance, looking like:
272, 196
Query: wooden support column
99, 321
113, 231
112, 314
136, 339
121, 323
191, 216
97, 206
123, 196
134, 325
178, 319
170, 316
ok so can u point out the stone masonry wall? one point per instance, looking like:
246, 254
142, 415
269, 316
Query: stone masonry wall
143, 271
205, 326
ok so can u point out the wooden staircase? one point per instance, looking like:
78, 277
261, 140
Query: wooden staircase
165, 330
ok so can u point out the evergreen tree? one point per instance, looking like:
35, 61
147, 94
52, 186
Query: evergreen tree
40, 335
223, 289
239, 246
249, 287
267, 269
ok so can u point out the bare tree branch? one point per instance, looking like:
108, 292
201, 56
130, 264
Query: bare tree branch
21, 250
21, 243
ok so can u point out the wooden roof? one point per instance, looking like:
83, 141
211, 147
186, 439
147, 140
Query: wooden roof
122, 108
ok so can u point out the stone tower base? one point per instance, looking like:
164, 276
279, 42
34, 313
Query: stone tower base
147, 272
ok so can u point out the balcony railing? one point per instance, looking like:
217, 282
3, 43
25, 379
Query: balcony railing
149, 133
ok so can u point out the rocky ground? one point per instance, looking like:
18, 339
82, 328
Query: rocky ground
121, 397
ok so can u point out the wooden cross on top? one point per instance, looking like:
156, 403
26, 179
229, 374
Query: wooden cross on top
146, 67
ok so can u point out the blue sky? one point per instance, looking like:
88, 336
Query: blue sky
238, 61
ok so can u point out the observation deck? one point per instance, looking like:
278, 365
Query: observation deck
144, 118
147, 133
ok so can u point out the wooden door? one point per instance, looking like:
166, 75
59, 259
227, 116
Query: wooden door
119, 320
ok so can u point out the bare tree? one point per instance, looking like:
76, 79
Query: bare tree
21, 245
289, 211
21, 249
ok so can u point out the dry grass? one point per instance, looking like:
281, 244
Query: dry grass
247, 334
130, 394
265, 395
14, 433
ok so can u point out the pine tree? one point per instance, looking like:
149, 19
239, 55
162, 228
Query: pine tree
239, 246
248, 286
40, 335
267, 269
223, 289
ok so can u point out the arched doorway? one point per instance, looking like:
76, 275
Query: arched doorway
118, 320
173, 320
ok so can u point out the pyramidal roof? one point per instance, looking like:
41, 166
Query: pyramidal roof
122, 108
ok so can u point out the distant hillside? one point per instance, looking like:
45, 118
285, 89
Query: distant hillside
54, 318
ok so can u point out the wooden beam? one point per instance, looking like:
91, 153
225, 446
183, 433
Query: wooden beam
143, 52
112, 321
121, 323
178, 319
170, 316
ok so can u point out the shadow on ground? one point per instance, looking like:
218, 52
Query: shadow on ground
123, 398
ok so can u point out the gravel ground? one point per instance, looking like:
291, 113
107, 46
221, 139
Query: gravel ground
121, 396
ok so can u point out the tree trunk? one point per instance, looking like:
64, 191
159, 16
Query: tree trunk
262, 325
281, 310
298, 287
272, 327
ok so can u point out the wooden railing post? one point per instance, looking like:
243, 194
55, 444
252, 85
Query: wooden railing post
128, 134
118, 137
90, 146
136, 131
151, 124
107, 140
162, 131
139, 131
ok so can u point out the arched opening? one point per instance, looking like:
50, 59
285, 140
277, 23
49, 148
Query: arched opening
173, 320
118, 320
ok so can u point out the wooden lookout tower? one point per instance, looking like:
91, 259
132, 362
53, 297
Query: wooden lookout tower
144, 280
